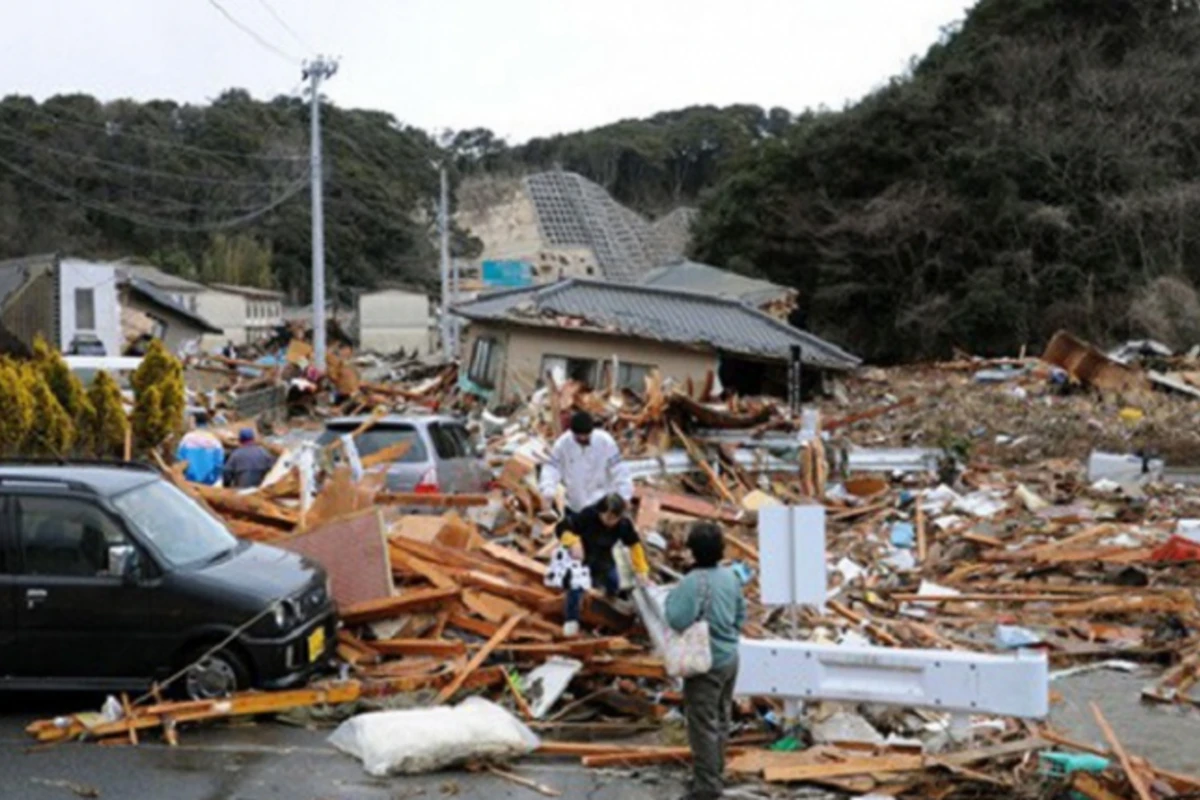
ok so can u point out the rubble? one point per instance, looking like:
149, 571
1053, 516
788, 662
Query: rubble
960, 515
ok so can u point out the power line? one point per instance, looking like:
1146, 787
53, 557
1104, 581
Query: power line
158, 222
246, 29
83, 124
285, 26
131, 168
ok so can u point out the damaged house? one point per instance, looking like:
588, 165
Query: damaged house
604, 334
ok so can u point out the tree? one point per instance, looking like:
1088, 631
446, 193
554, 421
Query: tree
52, 432
16, 408
107, 421
67, 389
159, 397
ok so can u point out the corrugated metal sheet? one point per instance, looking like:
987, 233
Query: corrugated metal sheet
669, 315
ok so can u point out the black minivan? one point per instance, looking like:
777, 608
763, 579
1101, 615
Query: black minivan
111, 578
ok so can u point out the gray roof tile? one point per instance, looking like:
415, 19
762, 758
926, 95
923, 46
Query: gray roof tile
669, 315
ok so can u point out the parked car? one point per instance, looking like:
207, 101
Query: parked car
443, 458
111, 578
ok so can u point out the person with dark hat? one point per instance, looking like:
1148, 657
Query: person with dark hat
588, 463
249, 463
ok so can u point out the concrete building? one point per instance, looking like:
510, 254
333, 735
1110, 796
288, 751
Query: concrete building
394, 319
603, 333
70, 302
562, 225
254, 315
149, 311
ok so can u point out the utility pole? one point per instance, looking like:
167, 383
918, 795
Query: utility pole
314, 71
444, 236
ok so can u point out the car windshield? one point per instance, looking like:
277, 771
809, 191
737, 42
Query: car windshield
183, 532
380, 438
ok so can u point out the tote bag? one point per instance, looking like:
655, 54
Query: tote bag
689, 653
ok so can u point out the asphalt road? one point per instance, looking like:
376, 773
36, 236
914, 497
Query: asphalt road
262, 761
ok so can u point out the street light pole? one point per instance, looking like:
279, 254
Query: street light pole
444, 237
314, 71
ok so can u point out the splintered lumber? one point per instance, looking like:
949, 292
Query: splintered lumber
402, 560
244, 704
523, 781
691, 506
438, 648
1090, 786
628, 668
387, 455
482, 627
634, 758
834, 424
477, 660
922, 537
251, 506
526, 565
1128, 604
898, 763
842, 769
1135, 778
387, 607
432, 500
525, 594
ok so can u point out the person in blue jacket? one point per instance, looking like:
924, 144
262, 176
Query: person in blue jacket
203, 452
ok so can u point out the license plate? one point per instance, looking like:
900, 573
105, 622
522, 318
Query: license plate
316, 644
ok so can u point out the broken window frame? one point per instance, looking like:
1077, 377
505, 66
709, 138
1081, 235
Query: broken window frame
484, 361
589, 365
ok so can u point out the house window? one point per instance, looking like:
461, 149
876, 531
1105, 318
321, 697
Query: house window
583, 370
485, 362
632, 376
85, 309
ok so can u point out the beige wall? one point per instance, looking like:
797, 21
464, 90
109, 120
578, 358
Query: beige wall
523, 349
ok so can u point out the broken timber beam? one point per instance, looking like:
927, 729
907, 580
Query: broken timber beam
477, 660
388, 607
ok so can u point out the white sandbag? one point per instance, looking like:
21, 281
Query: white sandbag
427, 739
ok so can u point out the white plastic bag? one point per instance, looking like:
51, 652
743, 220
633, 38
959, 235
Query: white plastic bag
427, 739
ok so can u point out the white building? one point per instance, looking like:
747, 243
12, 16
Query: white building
390, 320
70, 302
245, 313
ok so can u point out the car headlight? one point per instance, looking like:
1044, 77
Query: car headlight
279, 614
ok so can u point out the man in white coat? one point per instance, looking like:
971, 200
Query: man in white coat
588, 463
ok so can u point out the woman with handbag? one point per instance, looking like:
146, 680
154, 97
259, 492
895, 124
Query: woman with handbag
710, 595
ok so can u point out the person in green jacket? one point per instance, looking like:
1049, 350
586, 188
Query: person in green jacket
714, 593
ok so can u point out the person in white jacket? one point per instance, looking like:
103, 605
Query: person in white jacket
588, 462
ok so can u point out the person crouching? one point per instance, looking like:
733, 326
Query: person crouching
590, 536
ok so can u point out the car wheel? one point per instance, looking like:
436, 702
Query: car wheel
219, 674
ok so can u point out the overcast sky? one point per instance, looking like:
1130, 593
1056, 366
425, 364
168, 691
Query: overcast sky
520, 67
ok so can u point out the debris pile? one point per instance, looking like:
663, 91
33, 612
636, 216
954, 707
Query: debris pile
960, 515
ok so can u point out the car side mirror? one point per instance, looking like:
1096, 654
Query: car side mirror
123, 562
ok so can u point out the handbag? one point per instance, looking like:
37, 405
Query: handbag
689, 653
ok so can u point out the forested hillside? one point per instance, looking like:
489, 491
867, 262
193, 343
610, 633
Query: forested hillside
218, 192
1040, 168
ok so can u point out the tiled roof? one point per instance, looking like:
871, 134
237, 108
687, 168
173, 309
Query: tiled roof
668, 315
695, 277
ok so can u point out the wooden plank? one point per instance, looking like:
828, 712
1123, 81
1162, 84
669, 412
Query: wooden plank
530, 595
244, 704
477, 660
388, 607
438, 648
1090, 786
418, 566
432, 500
856, 766
888, 764
1135, 779
518, 561
661, 755
628, 668
922, 539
